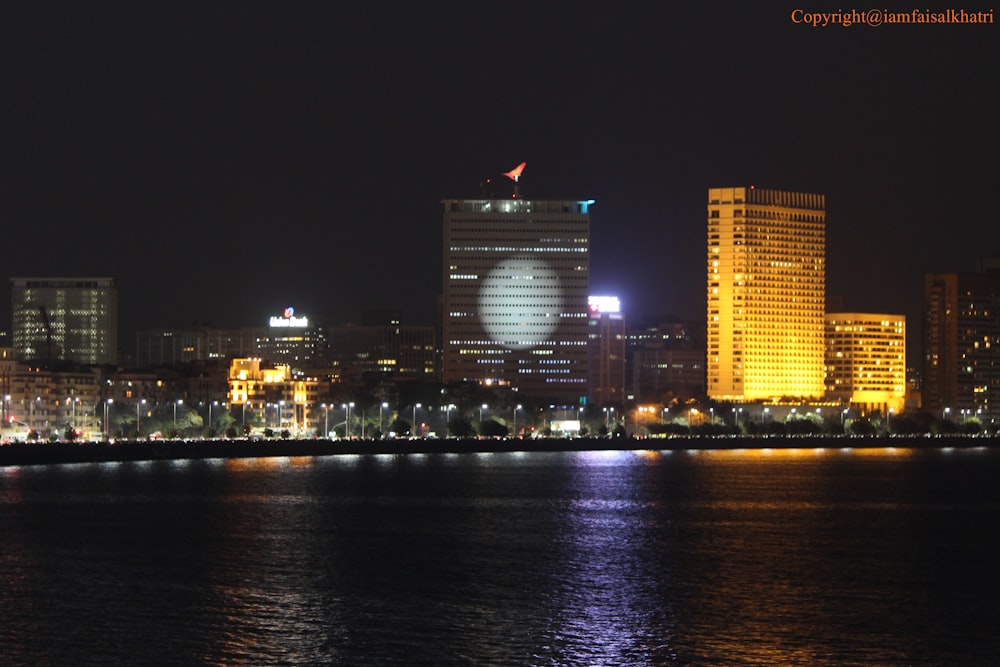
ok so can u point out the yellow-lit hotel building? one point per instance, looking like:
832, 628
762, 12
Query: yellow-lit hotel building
766, 294
866, 361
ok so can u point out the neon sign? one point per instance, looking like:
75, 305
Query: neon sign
288, 320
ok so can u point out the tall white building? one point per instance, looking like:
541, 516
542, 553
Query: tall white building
516, 281
766, 294
70, 319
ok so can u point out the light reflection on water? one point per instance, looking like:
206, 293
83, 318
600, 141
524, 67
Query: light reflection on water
802, 556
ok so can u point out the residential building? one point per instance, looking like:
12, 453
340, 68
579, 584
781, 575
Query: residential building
961, 364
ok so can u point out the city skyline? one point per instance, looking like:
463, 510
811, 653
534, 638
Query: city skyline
224, 163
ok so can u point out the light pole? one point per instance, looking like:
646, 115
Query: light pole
107, 427
347, 419
413, 429
138, 404
176, 403
516, 408
281, 413
381, 429
326, 420
481, 408
210, 413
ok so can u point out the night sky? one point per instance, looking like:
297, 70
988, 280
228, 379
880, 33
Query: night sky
225, 159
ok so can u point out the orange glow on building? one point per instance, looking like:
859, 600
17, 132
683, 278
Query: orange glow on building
866, 360
766, 294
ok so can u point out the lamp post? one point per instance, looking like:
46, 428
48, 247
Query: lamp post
138, 404
210, 413
381, 429
326, 420
516, 408
481, 408
107, 427
413, 429
176, 403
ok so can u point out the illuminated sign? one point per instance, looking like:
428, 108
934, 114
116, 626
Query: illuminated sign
288, 320
604, 304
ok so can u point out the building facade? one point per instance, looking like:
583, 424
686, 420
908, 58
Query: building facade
961, 364
391, 351
665, 362
170, 347
69, 319
866, 361
766, 294
516, 281
295, 341
607, 351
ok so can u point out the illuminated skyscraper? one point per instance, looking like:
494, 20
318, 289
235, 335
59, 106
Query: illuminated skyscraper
71, 319
766, 294
516, 281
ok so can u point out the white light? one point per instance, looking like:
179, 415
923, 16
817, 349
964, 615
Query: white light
520, 302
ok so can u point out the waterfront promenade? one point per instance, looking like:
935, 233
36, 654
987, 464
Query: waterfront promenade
43, 453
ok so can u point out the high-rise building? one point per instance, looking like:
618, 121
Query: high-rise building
295, 341
766, 294
866, 361
516, 281
961, 373
666, 362
607, 351
70, 319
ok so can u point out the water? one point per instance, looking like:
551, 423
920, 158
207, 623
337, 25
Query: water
802, 557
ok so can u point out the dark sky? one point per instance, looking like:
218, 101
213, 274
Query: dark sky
225, 159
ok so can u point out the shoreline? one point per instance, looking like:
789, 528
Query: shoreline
45, 453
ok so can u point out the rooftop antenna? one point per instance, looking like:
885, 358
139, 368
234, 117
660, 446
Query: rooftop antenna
514, 175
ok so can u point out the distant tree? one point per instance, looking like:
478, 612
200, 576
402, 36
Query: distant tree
285, 434
583, 431
268, 432
399, 426
460, 427
231, 431
491, 428
69, 434
862, 427
971, 427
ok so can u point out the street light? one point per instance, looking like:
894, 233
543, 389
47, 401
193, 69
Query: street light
326, 420
176, 403
138, 404
210, 413
516, 408
413, 429
107, 428
481, 408
381, 429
